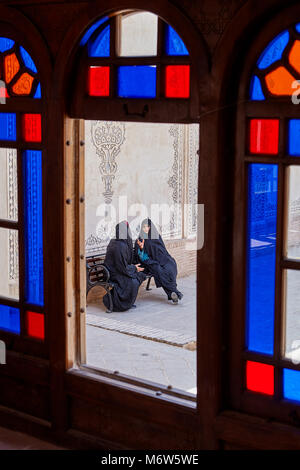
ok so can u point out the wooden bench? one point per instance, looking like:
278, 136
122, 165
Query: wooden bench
98, 275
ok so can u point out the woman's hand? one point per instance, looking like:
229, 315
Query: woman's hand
141, 244
138, 268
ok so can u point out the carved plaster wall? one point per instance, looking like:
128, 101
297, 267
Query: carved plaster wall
148, 165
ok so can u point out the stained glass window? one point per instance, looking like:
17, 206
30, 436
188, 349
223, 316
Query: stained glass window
35, 325
19, 70
8, 184
9, 263
261, 250
9, 319
138, 34
256, 92
100, 46
277, 68
292, 229
6, 44
92, 29
32, 171
8, 130
294, 137
291, 384
21, 198
173, 43
177, 81
264, 135
273, 51
273, 228
260, 377
128, 38
99, 81
137, 81
32, 127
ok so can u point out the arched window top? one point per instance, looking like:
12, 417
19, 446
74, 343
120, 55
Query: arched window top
138, 56
19, 75
137, 36
278, 67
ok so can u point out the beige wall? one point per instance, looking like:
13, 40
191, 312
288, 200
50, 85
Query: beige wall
146, 163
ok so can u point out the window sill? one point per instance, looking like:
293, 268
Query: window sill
122, 383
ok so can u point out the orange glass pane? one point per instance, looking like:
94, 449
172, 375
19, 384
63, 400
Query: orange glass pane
23, 85
280, 82
11, 67
294, 56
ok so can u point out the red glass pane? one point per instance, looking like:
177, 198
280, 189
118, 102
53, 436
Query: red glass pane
177, 81
35, 325
264, 135
98, 81
32, 127
260, 377
3, 92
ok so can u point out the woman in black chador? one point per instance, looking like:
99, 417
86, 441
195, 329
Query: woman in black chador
150, 250
125, 276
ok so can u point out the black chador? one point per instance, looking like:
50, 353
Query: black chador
150, 250
124, 275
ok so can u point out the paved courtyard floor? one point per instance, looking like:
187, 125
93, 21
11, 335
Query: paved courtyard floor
147, 342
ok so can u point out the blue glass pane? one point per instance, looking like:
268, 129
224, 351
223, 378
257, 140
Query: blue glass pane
174, 43
100, 47
298, 27
274, 50
256, 92
137, 81
90, 31
8, 126
6, 44
9, 319
294, 137
261, 256
38, 93
32, 171
28, 60
291, 384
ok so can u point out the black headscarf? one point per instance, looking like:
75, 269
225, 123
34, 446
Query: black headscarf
154, 245
123, 232
123, 274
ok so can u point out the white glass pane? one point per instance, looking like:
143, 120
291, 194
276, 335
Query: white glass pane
8, 184
138, 34
293, 211
292, 315
9, 263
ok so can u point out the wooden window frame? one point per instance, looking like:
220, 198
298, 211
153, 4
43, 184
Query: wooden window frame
158, 109
240, 399
82, 108
22, 343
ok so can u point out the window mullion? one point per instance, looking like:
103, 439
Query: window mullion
278, 283
21, 234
